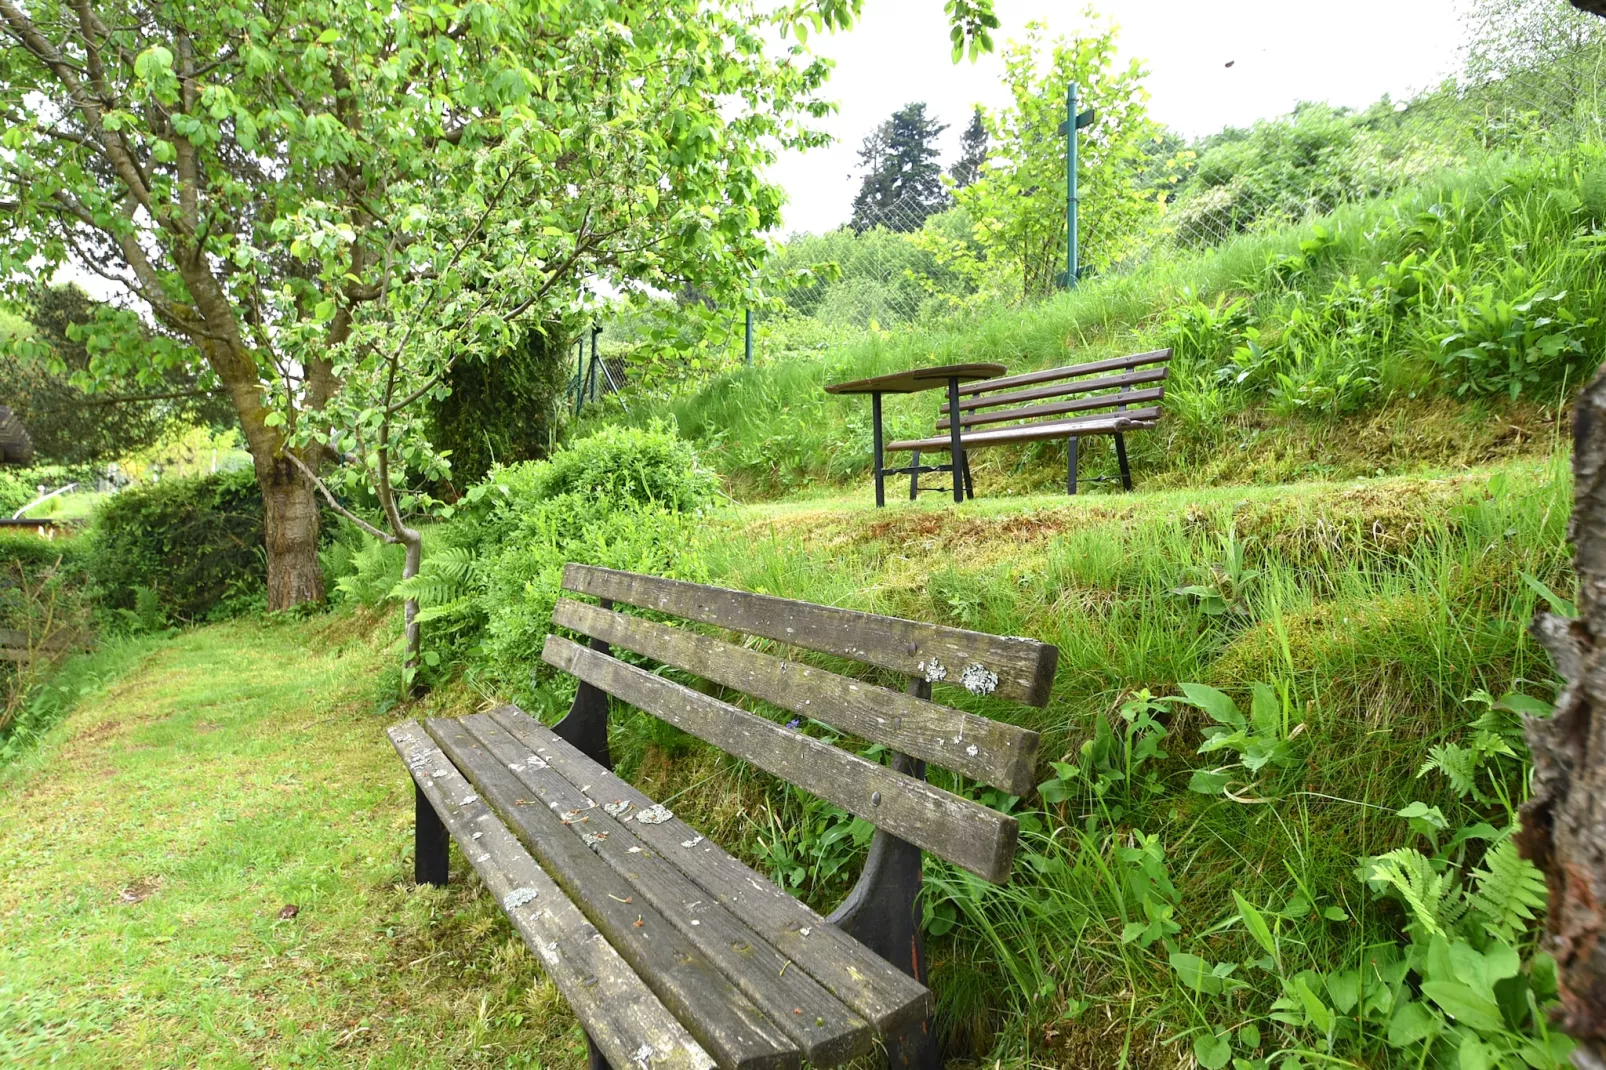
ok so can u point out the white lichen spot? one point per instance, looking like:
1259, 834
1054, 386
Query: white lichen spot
477, 835
617, 808
979, 680
483, 858
656, 814
437, 774
806, 930
593, 838
469, 799
515, 767
535, 763
550, 952
935, 671
694, 921
643, 1055
517, 898
635, 850
693, 842
971, 750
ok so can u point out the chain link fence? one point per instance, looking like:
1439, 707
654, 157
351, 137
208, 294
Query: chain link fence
1530, 80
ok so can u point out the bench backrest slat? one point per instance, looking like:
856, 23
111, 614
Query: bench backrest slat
1079, 386
992, 752
1071, 371
1019, 669
971, 836
1056, 408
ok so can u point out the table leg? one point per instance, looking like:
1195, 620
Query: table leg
956, 453
880, 480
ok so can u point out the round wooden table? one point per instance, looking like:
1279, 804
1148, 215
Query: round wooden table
912, 382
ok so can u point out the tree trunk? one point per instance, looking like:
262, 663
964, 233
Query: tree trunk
295, 575
1564, 825
410, 629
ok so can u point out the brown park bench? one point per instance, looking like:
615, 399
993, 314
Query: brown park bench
1044, 405
671, 952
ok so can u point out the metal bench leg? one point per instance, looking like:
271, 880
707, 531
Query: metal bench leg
586, 724
431, 841
875, 432
956, 452
1070, 466
914, 478
970, 486
595, 1060
883, 913
1120, 457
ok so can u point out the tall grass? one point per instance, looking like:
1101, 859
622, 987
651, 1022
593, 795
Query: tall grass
1376, 608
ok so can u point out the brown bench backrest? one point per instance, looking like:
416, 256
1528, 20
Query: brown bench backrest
970, 835
1125, 381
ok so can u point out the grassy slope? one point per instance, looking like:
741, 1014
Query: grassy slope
241, 768
771, 430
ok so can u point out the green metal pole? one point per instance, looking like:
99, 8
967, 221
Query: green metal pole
1070, 186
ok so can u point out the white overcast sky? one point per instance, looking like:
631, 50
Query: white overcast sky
1282, 52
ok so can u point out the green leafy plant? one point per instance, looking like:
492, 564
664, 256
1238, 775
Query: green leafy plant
1263, 741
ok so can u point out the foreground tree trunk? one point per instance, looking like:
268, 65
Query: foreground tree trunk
1564, 826
290, 505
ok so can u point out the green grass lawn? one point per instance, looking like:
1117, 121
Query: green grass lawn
154, 845
154, 841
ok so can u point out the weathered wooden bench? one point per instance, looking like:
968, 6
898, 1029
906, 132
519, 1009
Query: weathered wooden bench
671, 952
1137, 380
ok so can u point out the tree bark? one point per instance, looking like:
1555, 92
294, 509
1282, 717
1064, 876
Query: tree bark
295, 575
1564, 824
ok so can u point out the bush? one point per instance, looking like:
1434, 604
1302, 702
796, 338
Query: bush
196, 543
624, 498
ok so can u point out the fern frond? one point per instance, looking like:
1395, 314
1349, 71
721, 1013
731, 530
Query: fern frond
1511, 891
1433, 898
1459, 766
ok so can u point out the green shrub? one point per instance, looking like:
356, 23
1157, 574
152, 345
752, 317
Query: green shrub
196, 543
625, 498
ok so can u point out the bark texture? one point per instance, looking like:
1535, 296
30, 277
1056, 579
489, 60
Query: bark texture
295, 574
1564, 826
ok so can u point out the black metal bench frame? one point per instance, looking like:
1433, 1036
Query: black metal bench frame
882, 909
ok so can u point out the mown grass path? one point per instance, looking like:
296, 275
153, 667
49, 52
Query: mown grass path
152, 851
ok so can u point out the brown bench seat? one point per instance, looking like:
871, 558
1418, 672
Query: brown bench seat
671, 951
1137, 380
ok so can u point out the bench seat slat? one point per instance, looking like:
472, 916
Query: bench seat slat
619, 1012
723, 1020
1070, 371
886, 996
828, 1032
1080, 386
1038, 432
970, 835
1020, 669
992, 752
1058, 408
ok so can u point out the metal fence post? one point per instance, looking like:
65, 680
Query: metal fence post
748, 342
1073, 122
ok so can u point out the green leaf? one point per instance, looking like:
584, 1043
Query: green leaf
151, 65
1255, 922
1208, 782
1412, 1022
1473, 1055
1562, 607
1320, 1015
1215, 703
1211, 1050
1195, 972
1464, 1005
